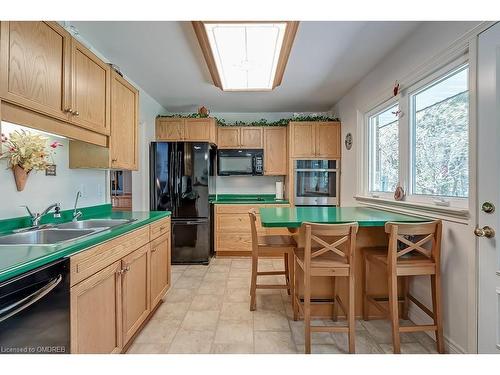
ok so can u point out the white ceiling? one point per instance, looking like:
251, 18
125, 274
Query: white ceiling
164, 58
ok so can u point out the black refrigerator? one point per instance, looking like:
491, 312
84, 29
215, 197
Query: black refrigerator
181, 180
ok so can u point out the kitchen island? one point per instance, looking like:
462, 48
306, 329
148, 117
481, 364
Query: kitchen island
370, 234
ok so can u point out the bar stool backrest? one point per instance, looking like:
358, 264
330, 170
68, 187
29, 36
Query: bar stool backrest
253, 226
321, 239
422, 238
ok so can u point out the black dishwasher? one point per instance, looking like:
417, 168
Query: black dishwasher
34, 311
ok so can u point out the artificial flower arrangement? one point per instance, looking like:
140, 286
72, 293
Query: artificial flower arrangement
26, 152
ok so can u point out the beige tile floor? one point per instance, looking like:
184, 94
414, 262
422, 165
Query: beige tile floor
207, 311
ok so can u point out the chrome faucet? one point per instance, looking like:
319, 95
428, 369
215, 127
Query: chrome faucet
77, 214
36, 217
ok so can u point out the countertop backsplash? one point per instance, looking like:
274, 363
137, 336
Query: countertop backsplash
247, 184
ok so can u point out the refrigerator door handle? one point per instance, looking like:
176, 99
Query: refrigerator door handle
179, 177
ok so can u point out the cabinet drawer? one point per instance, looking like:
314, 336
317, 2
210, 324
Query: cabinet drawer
237, 242
96, 258
235, 223
159, 227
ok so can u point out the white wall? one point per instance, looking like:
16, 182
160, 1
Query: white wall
148, 110
41, 190
458, 242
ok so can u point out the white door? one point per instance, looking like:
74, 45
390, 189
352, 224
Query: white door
489, 190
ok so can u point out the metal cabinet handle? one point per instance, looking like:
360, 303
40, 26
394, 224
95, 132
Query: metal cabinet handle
154, 250
68, 110
75, 113
24, 303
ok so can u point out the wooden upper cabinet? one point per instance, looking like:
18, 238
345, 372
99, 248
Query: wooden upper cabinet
302, 139
315, 140
228, 137
251, 137
169, 129
185, 129
123, 141
35, 66
240, 137
123, 146
90, 104
275, 151
160, 275
96, 313
46, 71
328, 140
199, 130
135, 291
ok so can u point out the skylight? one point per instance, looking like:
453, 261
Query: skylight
246, 56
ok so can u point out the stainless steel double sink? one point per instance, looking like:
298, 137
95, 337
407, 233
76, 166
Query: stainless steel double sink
55, 234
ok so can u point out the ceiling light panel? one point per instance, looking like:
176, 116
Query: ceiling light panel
246, 54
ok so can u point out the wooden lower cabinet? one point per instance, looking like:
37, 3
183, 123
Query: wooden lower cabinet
232, 228
135, 290
96, 312
109, 306
160, 270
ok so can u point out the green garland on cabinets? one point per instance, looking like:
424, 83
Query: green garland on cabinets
261, 122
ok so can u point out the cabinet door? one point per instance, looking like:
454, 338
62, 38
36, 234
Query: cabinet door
135, 291
123, 142
96, 312
228, 137
302, 139
169, 129
275, 151
35, 66
160, 268
328, 140
251, 137
197, 129
90, 90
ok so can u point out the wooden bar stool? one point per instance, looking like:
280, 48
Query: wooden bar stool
414, 250
273, 246
328, 251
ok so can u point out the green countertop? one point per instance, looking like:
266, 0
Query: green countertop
17, 259
293, 217
246, 199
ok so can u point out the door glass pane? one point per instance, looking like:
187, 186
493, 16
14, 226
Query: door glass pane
316, 184
384, 150
440, 117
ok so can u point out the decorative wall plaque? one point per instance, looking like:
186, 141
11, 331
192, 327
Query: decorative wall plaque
348, 141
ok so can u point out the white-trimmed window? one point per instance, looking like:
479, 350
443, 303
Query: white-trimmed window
383, 139
426, 148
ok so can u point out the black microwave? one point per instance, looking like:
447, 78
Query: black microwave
236, 162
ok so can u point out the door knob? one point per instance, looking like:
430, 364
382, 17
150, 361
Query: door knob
485, 231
